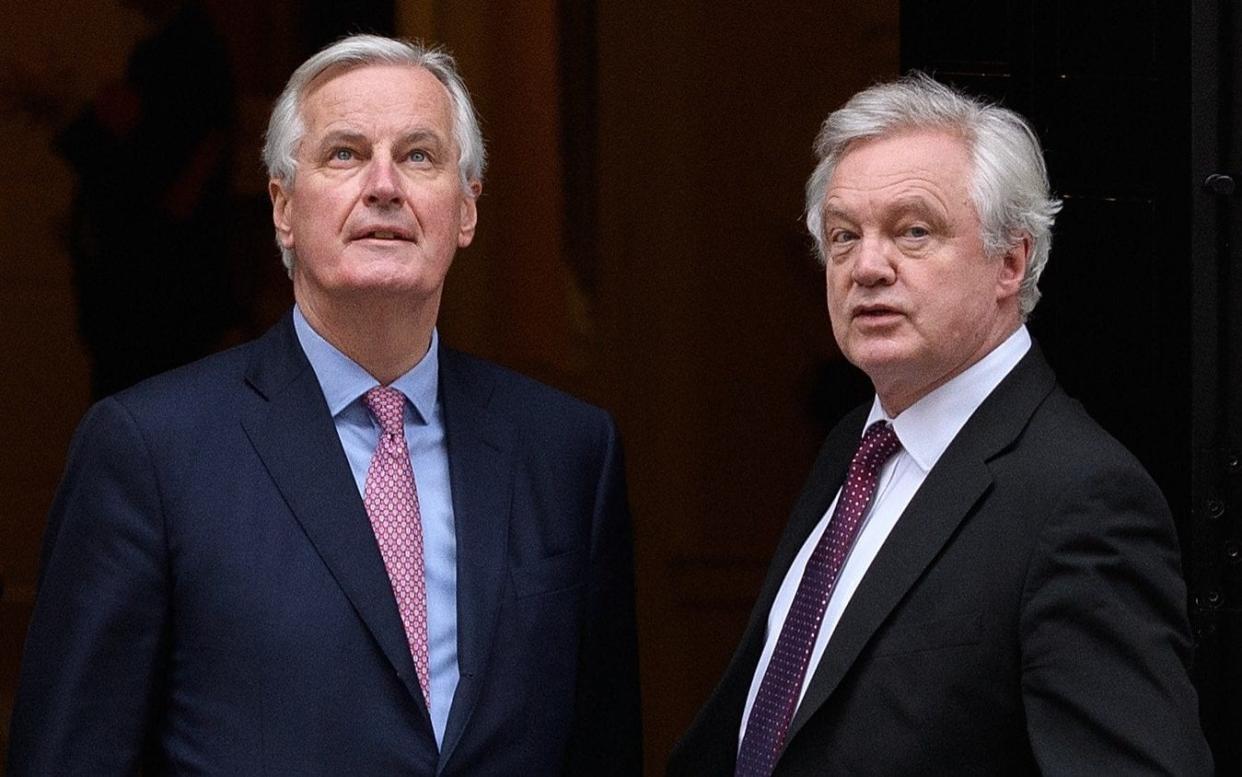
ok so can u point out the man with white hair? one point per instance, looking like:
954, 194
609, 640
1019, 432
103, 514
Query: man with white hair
344, 548
977, 579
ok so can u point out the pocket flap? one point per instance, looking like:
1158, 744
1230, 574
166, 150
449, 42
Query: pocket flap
954, 631
564, 570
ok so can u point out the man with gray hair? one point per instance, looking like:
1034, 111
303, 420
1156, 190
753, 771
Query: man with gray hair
344, 548
977, 579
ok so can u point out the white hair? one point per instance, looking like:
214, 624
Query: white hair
287, 126
1010, 181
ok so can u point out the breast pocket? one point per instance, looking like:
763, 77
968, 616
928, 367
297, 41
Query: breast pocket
562, 572
938, 634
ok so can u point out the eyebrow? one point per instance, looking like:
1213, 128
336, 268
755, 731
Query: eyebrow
417, 136
920, 206
340, 136
353, 137
831, 212
903, 206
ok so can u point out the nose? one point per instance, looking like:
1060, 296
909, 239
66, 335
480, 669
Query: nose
382, 188
873, 262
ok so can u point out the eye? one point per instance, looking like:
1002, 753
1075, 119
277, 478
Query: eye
840, 236
342, 154
917, 232
419, 156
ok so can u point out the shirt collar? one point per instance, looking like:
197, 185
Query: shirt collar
928, 426
343, 380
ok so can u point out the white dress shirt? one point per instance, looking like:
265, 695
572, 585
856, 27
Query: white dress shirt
925, 430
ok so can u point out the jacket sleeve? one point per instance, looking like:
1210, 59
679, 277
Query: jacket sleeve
92, 660
607, 731
1105, 638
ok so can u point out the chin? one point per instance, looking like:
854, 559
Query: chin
407, 288
877, 354
393, 275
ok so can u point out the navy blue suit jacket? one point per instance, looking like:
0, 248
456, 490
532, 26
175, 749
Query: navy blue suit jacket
212, 599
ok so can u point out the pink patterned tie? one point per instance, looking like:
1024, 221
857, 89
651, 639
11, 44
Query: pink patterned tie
781, 685
392, 505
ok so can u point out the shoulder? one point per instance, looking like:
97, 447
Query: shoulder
1071, 444
190, 402
1031, 428
1074, 487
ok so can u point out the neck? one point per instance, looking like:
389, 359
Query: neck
384, 337
899, 391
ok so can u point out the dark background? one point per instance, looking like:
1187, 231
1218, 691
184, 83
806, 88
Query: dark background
640, 245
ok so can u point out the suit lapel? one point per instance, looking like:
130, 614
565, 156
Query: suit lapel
955, 484
480, 448
944, 499
295, 437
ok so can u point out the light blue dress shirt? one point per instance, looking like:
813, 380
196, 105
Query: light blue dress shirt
344, 383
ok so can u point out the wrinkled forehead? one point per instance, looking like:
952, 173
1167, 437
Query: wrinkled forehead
900, 165
916, 146
888, 177
376, 93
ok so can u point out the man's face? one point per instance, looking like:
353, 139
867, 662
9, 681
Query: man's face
913, 298
377, 208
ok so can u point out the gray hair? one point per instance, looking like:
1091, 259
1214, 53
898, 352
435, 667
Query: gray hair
287, 126
1010, 183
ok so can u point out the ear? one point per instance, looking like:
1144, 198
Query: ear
1013, 267
282, 205
469, 214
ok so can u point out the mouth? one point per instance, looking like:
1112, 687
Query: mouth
391, 234
876, 314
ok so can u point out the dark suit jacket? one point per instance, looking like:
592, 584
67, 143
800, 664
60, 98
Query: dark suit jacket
213, 601
1025, 616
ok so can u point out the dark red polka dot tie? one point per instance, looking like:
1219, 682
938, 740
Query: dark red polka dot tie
392, 505
781, 686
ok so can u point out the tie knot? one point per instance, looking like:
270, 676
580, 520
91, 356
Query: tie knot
878, 445
387, 404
